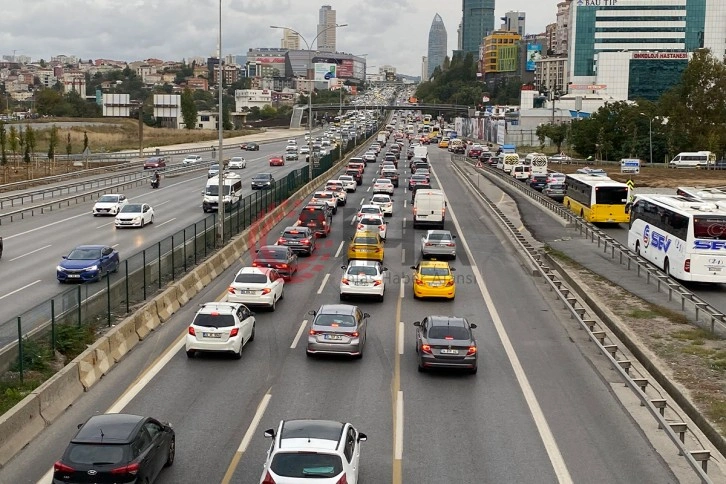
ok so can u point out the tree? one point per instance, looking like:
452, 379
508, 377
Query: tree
26, 149
69, 146
188, 109
29, 143
3, 144
226, 118
85, 141
52, 142
557, 133
13, 141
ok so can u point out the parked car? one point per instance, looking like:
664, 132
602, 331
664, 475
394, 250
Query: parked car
257, 286
224, 327
446, 342
87, 263
109, 204
117, 447
134, 215
155, 163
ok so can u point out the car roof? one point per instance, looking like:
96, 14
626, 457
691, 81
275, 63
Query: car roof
368, 205
255, 270
90, 247
438, 231
363, 262
219, 307
337, 309
111, 428
296, 228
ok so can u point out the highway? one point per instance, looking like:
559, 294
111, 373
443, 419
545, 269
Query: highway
537, 411
34, 245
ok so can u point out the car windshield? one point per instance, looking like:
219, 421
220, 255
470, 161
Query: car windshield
306, 464
251, 278
434, 271
558, 186
132, 208
214, 167
213, 190
95, 454
261, 177
237, 158
85, 254
335, 320
272, 254
448, 332
109, 199
362, 271
365, 240
214, 320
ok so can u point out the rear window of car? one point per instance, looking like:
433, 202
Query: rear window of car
370, 210
251, 278
371, 221
539, 178
453, 332
362, 270
90, 454
311, 215
558, 186
306, 465
439, 237
434, 271
335, 320
272, 254
295, 235
365, 241
214, 320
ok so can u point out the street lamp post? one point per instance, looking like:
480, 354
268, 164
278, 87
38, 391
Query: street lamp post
310, 89
220, 127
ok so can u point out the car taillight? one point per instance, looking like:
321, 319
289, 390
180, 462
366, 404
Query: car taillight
377, 283
266, 290
191, 331
450, 244
132, 469
283, 266
268, 479
687, 265
353, 334
233, 332
414, 211
449, 283
448, 337
419, 282
280, 240
230, 290
426, 348
360, 226
345, 281
312, 332
428, 244
471, 351
61, 467
254, 263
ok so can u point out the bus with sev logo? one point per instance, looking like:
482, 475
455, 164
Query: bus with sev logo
597, 199
683, 235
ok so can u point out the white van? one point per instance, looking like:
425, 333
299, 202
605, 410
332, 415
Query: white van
232, 194
693, 159
538, 162
521, 172
429, 208
421, 152
509, 161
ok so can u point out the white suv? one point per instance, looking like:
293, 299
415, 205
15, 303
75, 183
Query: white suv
321, 451
220, 326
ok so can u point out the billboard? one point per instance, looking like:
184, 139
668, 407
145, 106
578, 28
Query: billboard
117, 105
345, 69
167, 106
534, 53
325, 71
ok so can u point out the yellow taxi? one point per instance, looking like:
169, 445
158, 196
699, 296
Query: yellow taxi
366, 245
433, 278
444, 143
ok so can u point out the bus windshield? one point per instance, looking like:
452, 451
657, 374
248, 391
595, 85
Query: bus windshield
713, 227
611, 195
213, 190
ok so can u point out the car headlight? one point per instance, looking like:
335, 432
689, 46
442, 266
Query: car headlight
60, 268
94, 267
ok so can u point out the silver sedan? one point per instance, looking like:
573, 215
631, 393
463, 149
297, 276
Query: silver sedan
438, 243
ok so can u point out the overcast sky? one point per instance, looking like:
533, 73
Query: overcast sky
391, 32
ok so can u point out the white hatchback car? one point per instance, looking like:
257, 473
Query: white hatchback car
363, 278
319, 451
134, 215
383, 185
192, 159
349, 183
261, 286
236, 163
368, 210
220, 327
109, 204
373, 223
384, 201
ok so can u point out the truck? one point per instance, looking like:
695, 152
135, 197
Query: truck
421, 152
429, 208
382, 138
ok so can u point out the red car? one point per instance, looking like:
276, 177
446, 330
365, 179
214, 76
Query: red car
475, 152
277, 161
155, 163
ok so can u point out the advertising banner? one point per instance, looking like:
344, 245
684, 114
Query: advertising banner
325, 72
534, 53
345, 69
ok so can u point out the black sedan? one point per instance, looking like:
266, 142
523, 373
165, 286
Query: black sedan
263, 181
278, 257
299, 239
538, 182
418, 181
117, 448
446, 342
250, 147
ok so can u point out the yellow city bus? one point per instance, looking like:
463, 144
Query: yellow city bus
427, 119
596, 198
435, 132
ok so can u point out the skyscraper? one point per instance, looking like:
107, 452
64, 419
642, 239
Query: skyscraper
290, 40
437, 45
514, 22
477, 23
326, 29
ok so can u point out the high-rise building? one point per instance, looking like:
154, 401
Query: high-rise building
514, 22
424, 68
477, 23
459, 32
562, 30
326, 29
437, 45
639, 49
290, 40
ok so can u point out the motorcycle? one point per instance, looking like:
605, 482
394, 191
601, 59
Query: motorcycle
155, 183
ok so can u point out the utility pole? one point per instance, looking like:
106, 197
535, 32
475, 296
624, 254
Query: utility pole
141, 128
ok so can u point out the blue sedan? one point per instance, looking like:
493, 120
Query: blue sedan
87, 263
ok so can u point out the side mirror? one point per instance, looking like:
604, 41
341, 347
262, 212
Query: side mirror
366, 315
384, 269
417, 323
472, 326
362, 437
452, 269
270, 433
413, 267
64, 257
343, 267
79, 426
453, 236
312, 313
257, 251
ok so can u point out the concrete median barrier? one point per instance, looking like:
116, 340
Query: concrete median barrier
188, 287
167, 303
94, 362
59, 393
204, 273
18, 426
122, 338
146, 320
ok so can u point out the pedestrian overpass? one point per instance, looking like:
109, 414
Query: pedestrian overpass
300, 111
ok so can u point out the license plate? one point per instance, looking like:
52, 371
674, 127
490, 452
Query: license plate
434, 284
290, 242
212, 335
335, 337
714, 269
449, 352
74, 276
361, 283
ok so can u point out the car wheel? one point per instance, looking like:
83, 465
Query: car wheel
282, 294
252, 335
472, 371
115, 268
238, 354
142, 223
308, 354
421, 369
637, 249
667, 267
152, 220
274, 304
190, 353
380, 298
171, 453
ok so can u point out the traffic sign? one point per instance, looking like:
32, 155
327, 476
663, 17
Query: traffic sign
630, 165
631, 184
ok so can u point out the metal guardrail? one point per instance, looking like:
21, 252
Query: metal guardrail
655, 406
663, 282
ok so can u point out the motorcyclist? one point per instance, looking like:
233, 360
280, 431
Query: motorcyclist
156, 179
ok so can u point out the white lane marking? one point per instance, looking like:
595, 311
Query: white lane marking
322, 284
115, 245
105, 225
362, 201
20, 289
254, 424
164, 223
28, 253
295, 341
162, 203
553, 452
368, 189
404, 203
403, 256
400, 294
352, 221
340, 247
45, 226
398, 436
400, 338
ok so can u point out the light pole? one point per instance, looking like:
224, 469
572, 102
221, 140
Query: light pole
650, 135
220, 159
311, 87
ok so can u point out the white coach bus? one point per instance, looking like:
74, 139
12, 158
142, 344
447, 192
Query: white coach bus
684, 236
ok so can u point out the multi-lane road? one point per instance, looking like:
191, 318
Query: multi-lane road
537, 411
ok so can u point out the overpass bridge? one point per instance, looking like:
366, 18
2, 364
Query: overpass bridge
300, 111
